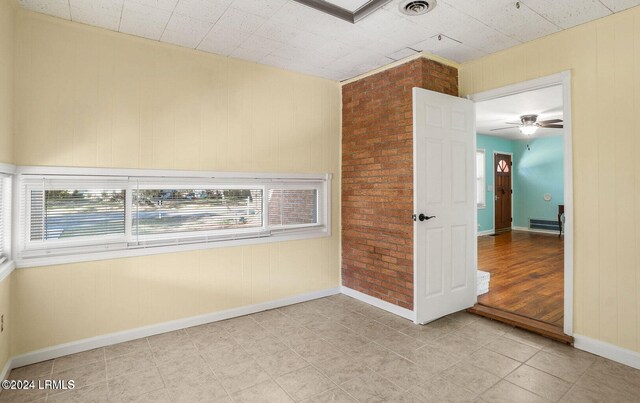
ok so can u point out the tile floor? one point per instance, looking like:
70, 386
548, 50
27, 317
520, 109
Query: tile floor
336, 349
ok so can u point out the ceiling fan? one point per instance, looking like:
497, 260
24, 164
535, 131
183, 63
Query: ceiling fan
529, 124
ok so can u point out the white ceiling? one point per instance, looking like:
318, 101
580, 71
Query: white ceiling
493, 114
286, 34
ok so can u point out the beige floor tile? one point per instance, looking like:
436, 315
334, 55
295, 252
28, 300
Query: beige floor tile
463, 317
438, 390
96, 393
84, 375
611, 385
457, 346
32, 371
432, 359
492, 362
372, 354
481, 332
304, 383
135, 384
538, 382
225, 357
371, 329
156, 396
281, 363
294, 335
78, 360
174, 351
400, 343
240, 324
470, 377
403, 373
212, 329
505, 392
265, 392
331, 396
569, 369
174, 338
579, 394
135, 362
342, 369
371, 387
316, 350
346, 340
128, 347
206, 341
263, 346
433, 330
177, 372
25, 395
512, 349
267, 316
197, 389
528, 338
241, 376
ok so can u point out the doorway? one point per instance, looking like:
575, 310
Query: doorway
529, 262
502, 170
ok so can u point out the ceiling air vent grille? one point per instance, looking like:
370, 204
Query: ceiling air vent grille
417, 7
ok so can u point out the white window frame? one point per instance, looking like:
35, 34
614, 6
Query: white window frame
481, 176
6, 181
30, 253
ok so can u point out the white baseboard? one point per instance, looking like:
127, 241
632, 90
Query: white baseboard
378, 303
5, 371
487, 232
539, 231
607, 350
127, 335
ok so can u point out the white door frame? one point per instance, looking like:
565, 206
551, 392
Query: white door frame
494, 186
564, 79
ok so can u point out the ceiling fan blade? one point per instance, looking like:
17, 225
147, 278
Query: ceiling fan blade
513, 123
552, 126
544, 122
503, 128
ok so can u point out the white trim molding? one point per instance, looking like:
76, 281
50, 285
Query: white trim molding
563, 78
7, 368
151, 330
607, 350
538, 231
378, 303
6, 269
486, 232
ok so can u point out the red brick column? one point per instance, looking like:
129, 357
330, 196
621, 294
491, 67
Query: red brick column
377, 177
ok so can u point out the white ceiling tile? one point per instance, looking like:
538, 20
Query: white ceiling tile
55, 8
310, 20
147, 22
167, 5
620, 5
223, 41
185, 31
239, 20
251, 55
99, 13
449, 48
568, 13
360, 61
262, 8
402, 53
522, 24
204, 10
351, 5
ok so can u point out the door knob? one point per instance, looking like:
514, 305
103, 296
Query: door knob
423, 217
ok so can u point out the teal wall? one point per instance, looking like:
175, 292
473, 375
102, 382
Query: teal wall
536, 171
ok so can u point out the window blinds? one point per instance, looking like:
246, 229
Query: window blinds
293, 207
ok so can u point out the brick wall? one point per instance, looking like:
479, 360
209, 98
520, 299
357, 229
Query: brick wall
377, 177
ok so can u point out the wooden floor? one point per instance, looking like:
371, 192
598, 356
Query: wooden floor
527, 274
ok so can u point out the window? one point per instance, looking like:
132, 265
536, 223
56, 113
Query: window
481, 195
79, 217
5, 217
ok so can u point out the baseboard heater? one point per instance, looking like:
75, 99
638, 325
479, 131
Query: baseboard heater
547, 225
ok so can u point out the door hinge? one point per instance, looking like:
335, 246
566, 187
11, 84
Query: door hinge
415, 218
511, 219
511, 191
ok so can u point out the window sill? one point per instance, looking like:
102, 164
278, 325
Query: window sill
5, 269
153, 250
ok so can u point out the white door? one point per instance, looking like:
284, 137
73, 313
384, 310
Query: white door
445, 204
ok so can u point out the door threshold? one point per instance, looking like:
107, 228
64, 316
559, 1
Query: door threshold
542, 328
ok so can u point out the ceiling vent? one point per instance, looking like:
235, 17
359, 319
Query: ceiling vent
417, 7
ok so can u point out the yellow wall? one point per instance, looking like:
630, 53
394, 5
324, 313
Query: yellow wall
7, 16
604, 58
89, 97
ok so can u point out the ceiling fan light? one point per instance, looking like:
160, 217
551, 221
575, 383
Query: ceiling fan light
528, 130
